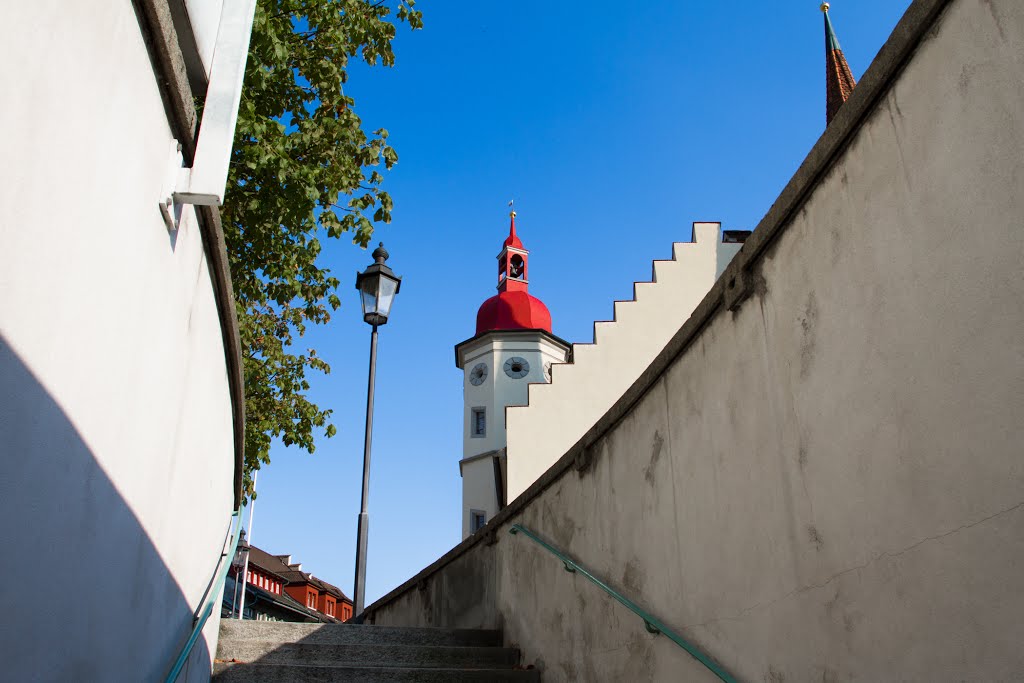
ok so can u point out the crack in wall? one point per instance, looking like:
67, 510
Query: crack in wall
803, 589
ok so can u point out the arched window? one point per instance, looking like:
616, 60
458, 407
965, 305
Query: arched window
517, 267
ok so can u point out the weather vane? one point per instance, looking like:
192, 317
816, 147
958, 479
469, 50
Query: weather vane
511, 209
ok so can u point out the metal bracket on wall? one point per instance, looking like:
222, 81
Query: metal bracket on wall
738, 286
169, 208
203, 184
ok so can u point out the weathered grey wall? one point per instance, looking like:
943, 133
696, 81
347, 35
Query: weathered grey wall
827, 483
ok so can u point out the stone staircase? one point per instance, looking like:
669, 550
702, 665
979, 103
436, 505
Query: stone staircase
559, 413
260, 651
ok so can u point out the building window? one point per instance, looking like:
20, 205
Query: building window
478, 427
477, 520
311, 601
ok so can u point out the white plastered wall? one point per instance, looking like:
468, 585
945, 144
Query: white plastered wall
477, 490
559, 413
115, 418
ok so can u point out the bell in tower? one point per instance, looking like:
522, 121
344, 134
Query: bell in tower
517, 268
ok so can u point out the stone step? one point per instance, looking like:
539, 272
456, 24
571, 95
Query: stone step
315, 634
285, 673
362, 655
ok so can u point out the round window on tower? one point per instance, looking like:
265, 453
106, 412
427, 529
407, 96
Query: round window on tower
516, 367
478, 374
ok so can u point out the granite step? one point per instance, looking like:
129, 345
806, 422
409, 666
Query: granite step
287, 632
361, 654
285, 673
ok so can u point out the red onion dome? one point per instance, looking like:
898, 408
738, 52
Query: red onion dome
515, 310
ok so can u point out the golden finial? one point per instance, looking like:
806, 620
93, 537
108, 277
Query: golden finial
511, 211
824, 7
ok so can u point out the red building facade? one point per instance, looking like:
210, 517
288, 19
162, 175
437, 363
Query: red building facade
278, 590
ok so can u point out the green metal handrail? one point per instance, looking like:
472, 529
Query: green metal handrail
199, 621
653, 625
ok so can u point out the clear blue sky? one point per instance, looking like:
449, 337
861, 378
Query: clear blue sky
614, 126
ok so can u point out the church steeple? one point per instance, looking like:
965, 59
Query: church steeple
839, 82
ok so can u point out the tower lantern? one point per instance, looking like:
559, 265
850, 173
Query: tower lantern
513, 261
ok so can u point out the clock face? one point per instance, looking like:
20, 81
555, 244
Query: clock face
516, 367
478, 374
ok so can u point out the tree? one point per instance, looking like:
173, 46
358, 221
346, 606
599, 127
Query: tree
302, 168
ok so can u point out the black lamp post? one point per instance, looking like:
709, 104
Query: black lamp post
240, 563
377, 287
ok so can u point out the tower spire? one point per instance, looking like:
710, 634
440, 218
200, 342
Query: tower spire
839, 82
512, 224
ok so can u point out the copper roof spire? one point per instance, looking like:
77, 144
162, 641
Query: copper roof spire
839, 81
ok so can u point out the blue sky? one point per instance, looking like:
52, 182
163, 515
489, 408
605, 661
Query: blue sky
614, 126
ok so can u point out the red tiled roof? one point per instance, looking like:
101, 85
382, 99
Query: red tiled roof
273, 564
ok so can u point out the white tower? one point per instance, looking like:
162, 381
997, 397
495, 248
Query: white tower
512, 348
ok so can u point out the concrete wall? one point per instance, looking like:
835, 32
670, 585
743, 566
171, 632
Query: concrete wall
555, 416
823, 483
116, 416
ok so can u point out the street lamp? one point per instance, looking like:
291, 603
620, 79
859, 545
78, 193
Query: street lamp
240, 563
377, 287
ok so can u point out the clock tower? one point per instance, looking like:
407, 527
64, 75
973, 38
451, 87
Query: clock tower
513, 347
